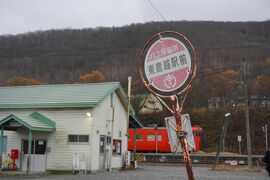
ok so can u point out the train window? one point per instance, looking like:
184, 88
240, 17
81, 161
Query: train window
159, 137
150, 137
138, 137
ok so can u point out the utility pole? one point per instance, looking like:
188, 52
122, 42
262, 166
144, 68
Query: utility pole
247, 114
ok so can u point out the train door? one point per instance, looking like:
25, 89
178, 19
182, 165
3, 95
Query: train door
198, 134
197, 140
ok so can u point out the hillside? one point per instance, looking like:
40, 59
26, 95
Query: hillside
61, 56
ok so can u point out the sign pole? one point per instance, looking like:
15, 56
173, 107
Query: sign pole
181, 137
168, 66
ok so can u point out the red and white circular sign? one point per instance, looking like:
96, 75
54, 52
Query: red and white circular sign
167, 64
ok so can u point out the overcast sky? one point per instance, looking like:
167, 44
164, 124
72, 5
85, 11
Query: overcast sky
19, 16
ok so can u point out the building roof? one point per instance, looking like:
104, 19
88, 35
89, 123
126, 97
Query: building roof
86, 95
57, 96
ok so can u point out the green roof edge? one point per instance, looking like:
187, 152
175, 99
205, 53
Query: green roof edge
43, 119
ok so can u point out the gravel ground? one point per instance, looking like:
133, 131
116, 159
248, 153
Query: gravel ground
152, 172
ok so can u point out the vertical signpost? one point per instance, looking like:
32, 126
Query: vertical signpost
167, 67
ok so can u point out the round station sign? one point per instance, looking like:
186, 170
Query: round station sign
167, 63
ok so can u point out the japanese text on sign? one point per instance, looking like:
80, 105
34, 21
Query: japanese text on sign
167, 64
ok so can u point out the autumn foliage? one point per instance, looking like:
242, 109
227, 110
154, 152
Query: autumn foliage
93, 77
261, 85
21, 81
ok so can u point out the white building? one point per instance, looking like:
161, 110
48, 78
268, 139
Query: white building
66, 124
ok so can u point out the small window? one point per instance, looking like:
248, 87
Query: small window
73, 138
83, 138
40, 146
109, 139
138, 137
117, 145
78, 138
159, 137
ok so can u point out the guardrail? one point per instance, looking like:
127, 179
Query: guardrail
199, 158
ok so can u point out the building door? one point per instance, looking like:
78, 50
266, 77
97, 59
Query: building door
38, 155
102, 153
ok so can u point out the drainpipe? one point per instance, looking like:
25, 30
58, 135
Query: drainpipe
29, 152
1, 146
111, 146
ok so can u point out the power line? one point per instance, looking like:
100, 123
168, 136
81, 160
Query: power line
159, 13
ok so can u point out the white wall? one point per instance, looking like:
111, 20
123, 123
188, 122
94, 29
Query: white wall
120, 123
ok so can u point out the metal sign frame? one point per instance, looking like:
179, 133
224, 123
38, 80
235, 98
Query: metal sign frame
172, 96
192, 72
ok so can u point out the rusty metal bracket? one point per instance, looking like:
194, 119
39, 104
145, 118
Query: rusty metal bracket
181, 134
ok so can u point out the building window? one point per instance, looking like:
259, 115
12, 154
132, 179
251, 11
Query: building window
4, 148
72, 138
117, 146
109, 139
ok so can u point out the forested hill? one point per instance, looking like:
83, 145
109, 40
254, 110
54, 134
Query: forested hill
62, 56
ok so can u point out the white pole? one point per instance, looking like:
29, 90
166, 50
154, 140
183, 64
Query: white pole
129, 91
128, 107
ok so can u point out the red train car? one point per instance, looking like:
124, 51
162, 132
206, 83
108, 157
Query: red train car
146, 140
